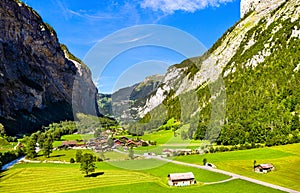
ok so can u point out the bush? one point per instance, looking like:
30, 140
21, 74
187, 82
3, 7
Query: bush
72, 160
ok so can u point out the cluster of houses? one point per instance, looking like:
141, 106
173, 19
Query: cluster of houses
103, 143
174, 152
126, 142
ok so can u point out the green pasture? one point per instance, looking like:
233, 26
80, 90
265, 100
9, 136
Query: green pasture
167, 138
286, 160
6, 146
52, 178
66, 155
115, 156
233, 186
61, 155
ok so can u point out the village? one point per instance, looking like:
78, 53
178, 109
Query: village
107, 143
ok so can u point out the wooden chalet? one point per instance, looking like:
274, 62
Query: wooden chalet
264, 168
69, 143
181, 179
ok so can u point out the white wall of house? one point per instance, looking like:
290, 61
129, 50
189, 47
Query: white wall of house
181, 183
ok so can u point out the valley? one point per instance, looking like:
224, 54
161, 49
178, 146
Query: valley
224, 121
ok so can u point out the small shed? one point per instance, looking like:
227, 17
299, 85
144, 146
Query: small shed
210, 165
181, 179
264, 168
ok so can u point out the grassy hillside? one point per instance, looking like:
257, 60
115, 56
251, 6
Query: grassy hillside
286, 160
261, 83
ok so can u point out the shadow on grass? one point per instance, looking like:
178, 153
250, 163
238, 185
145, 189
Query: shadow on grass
61, 155
95, 174
1, 174
58, 155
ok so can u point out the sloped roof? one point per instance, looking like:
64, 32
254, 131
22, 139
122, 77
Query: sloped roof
266, 166
181, 176
73, 142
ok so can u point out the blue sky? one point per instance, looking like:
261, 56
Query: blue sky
84, 25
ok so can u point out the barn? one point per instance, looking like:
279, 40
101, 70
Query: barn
264, 168
181, 179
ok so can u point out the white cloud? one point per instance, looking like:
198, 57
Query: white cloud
170, 6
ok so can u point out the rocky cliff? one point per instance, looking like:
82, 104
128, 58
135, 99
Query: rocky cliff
245, 85
259, 6
40, 81
190, 74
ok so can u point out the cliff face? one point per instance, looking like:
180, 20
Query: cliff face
37, 78
191, 74
245, 85
258, 6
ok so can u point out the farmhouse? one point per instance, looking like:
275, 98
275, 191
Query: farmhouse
181, 179
264, 168
69, 143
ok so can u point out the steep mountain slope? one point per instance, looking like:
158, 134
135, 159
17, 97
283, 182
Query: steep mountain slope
122, 103
251, 74
40, 81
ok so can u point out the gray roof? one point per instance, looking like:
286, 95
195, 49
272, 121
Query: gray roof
181, 176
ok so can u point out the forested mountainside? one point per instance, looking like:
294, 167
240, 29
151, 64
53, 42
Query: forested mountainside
252, 72
40, 81
122, 103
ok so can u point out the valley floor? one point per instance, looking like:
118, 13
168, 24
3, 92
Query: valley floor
119, 174
30, 177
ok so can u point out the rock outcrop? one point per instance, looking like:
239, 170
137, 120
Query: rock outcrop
259, 5
210, 66
39, 82
243, 89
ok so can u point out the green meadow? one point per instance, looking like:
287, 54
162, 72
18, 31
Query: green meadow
49, 178
286, 160
166, 139
66, 155
61, 155
233, 186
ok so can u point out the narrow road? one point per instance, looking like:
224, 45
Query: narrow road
233, 175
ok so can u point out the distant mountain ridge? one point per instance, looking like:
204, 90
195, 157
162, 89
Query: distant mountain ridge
40, 80
121, 104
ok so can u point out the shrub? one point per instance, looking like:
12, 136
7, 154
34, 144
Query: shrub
72, 160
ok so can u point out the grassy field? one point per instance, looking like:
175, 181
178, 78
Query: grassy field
233, 186
36, 178
66, 155
115, 156
72, 137
286, 160
6, 146
167, 138
61, 155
